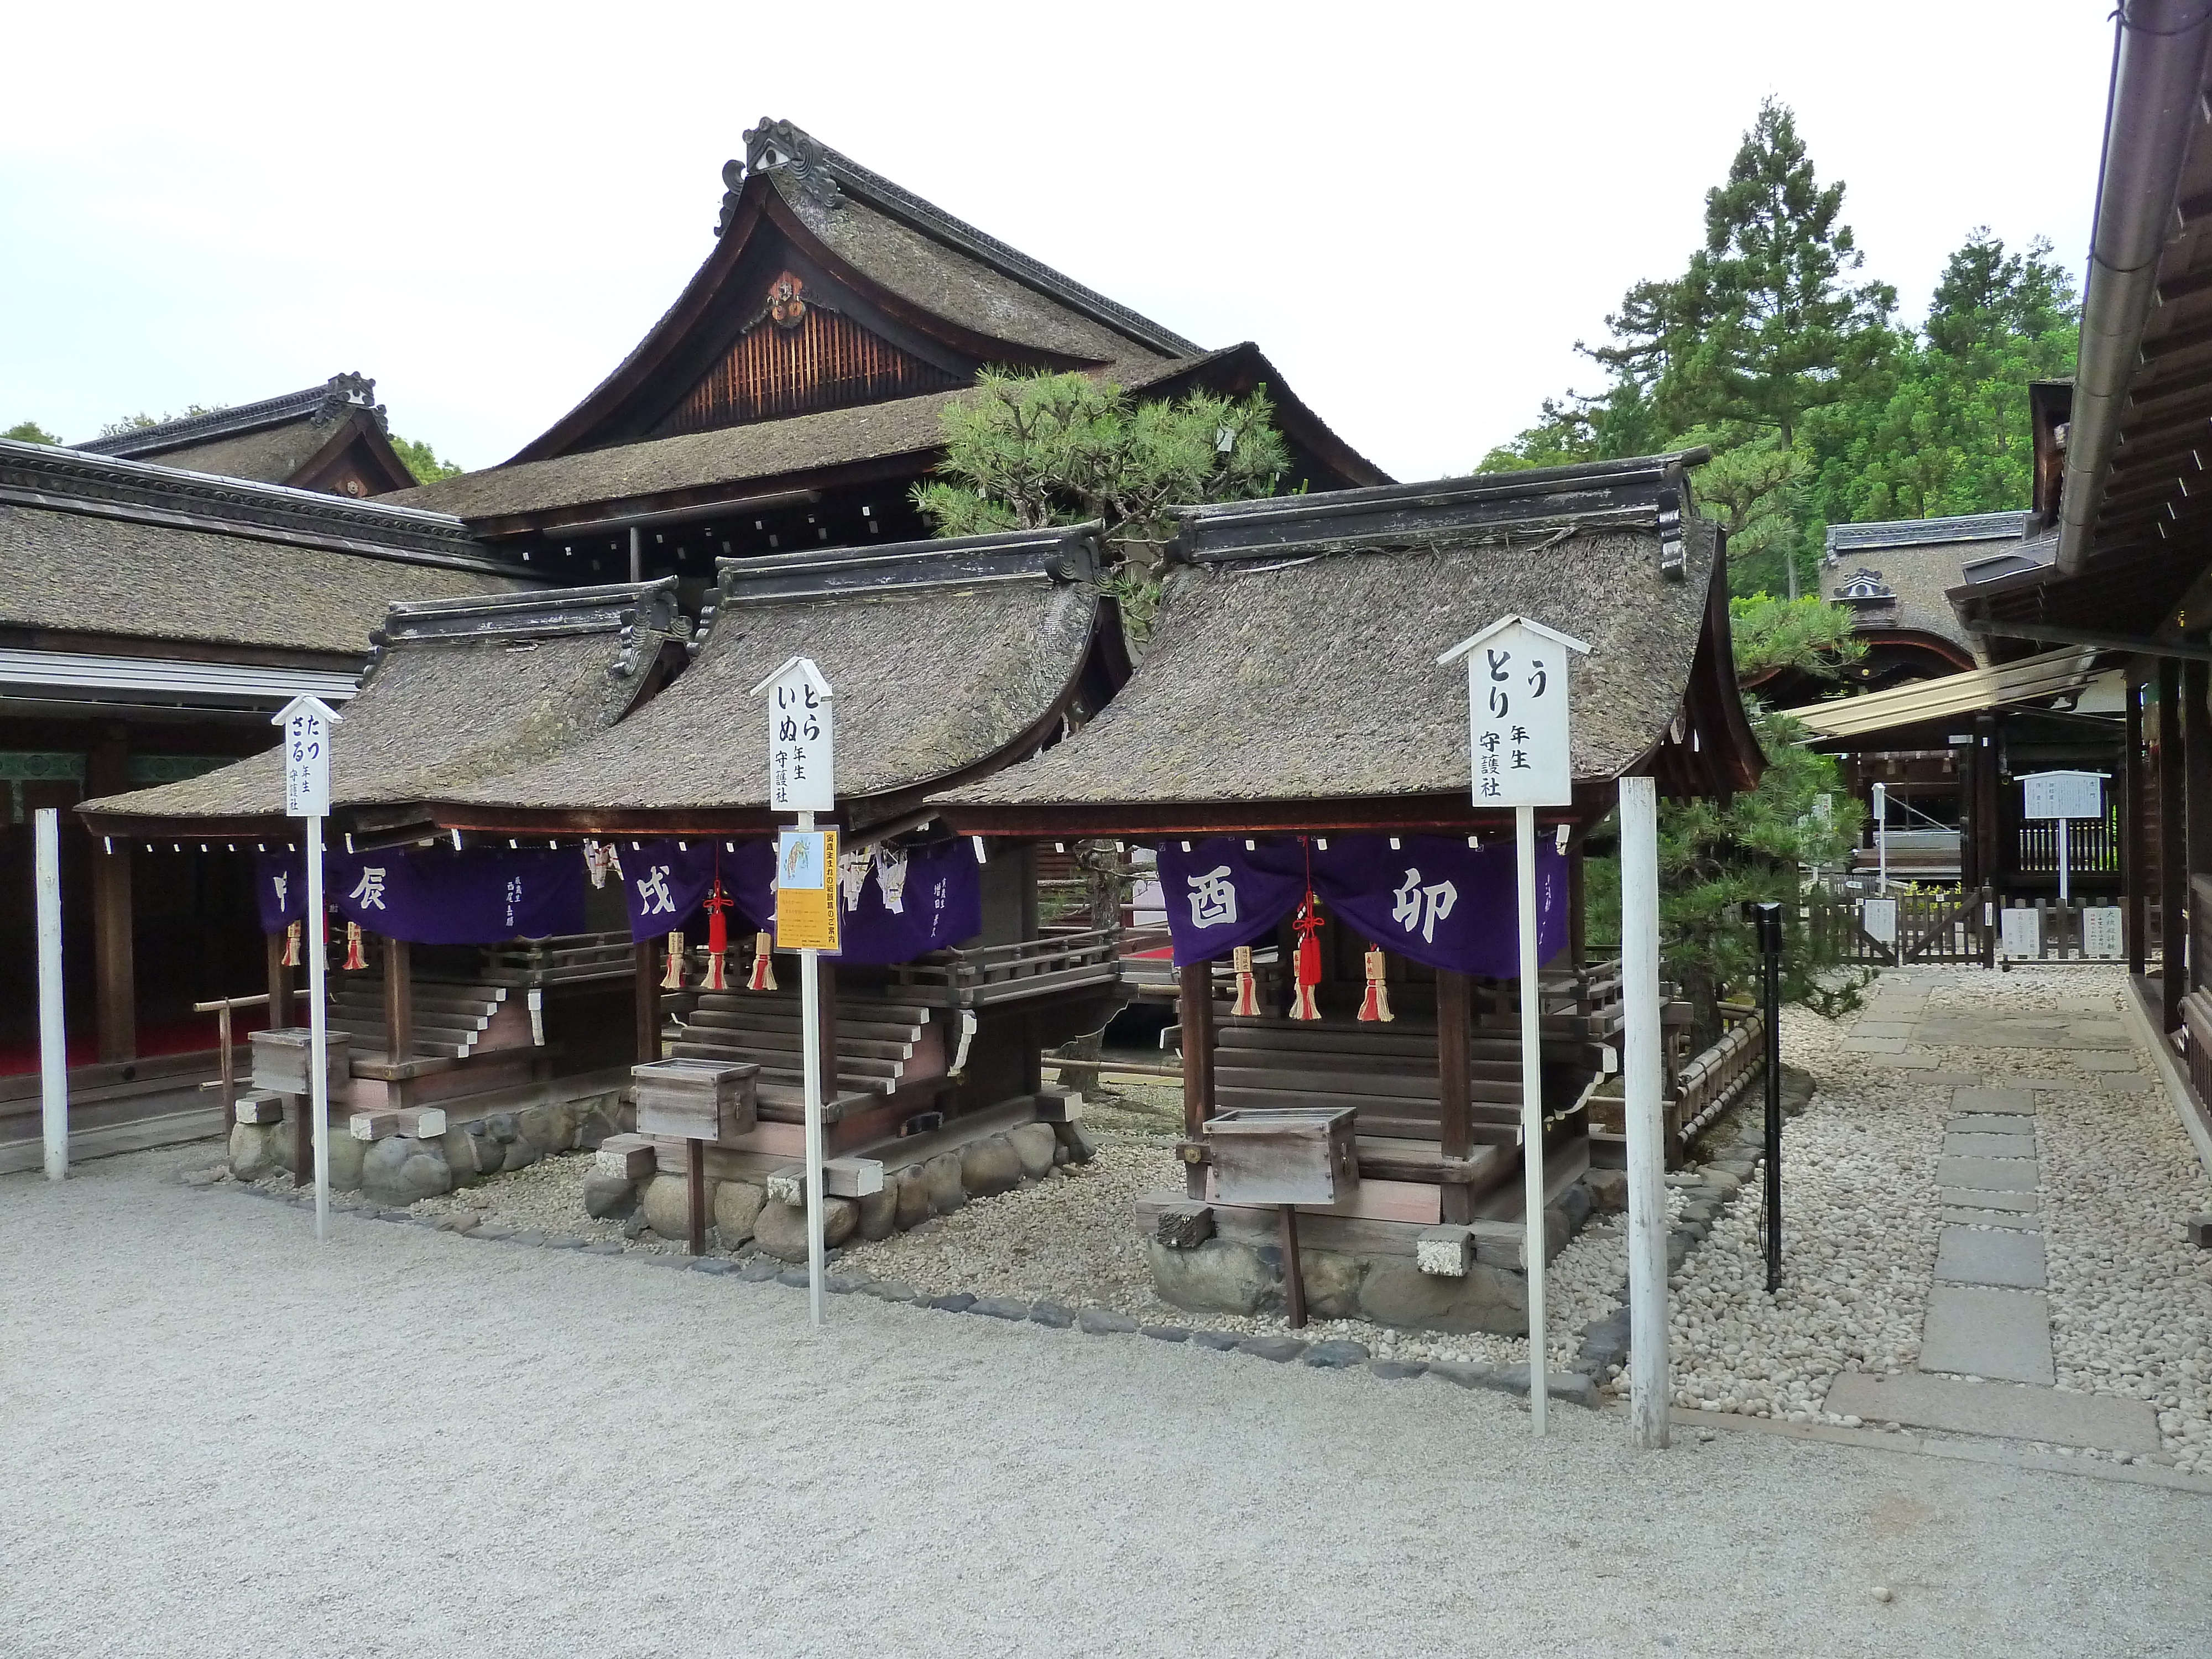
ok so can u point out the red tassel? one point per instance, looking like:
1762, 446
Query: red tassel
354, 958
291, 958
718, 936
763, 977
1248, 992
673, 979
1308, 925
1375, 1005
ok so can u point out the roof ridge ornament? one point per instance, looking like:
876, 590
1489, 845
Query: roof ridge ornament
779, 147
343, 392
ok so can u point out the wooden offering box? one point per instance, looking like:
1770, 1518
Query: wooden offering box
1284, 1155
697, 1099
281, 1059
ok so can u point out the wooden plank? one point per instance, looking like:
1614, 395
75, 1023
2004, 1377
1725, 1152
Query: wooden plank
2172, 837
1194, 1008
399, 998
646, 1000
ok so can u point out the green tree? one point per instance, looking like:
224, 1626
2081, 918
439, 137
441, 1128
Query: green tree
427, 467
1029, 450
29, 432
1716, 856
1952, 437
1809, 635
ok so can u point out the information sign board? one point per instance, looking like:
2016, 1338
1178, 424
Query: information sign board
1518, 748
806, 890
2021, 930
2100, 931
2063, 795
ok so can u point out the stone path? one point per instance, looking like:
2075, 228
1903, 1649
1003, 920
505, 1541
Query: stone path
1986, 1364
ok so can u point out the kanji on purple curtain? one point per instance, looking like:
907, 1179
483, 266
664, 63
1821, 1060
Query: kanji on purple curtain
482, 896
665, 883
1431, 899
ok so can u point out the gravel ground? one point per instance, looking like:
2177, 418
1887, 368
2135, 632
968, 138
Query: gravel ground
224, 1439
2132, 1301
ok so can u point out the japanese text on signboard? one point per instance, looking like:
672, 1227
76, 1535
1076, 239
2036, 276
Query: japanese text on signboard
1516, 691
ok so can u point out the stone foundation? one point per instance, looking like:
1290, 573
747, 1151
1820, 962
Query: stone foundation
742, 1210
1224, 1275
399, 1168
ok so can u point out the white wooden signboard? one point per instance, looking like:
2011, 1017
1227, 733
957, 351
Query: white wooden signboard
2063, 795
1878, 916
1519, 756
2021, 930
801, 739
2100, 930
1516, 702
308, 722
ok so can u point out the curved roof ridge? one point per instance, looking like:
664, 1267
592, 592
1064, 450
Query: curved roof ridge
319, 403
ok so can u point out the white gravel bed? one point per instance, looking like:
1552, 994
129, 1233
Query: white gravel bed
1859, 1234
224, 1439
2131, 1299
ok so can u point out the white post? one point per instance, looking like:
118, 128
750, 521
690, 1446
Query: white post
318, 1036
1531, 1113
1650, 1383
810, 1023
1881, 837
2062, 868
53, 1031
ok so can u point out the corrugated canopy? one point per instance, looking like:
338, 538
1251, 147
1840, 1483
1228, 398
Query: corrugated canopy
2033, 679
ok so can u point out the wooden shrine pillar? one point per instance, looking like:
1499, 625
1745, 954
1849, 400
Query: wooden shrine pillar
2172, 848
107, 772
1455, 1088
2196, 770
1194, 1013
646, 1003
1988, 808
398, 1001
826, 984
2134, 845
280, 980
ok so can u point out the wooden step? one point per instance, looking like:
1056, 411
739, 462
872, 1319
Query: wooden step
789, 1033
849, 1005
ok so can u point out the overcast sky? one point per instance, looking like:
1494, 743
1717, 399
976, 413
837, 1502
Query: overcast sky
1415, 210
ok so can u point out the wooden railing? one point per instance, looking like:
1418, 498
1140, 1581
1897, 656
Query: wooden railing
563, 959
1711, 1081
994, 973
2093, 847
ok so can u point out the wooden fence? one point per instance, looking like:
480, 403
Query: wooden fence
2092, 846
1927, 927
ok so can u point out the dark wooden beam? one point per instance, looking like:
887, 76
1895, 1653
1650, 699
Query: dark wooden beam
1454, 1090
108, 771
2134, 846
2173, 845
825, 983
2196, 749
398, 1000
645, 1003
280, 980
1194, 1013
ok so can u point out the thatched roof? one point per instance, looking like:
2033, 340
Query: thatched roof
273, 441
459, 690
93, 545
1294, 656
1894, 576
943, 656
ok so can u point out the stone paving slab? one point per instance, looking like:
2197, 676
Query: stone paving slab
1967, 1255
1875, 1045
1991, 1123
1883, 1027
1976, 1217
2011, 1102
1942, 1078
1973, 1143
1974, 1199
1901, 1062
2104, 1061
2051, 1415
1979, 1331
1988, 1175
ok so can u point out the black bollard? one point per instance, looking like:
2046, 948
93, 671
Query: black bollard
1769, 918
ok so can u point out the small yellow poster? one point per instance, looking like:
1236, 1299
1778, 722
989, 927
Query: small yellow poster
806, 890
